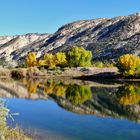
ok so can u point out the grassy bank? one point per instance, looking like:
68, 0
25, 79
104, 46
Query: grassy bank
7, 133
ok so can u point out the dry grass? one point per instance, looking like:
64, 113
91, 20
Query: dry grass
25, 72
33, 72
16, 134
5, 72
7, 133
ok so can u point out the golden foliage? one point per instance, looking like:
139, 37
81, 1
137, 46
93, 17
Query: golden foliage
57, 89
49, 60
128, 64
31, 59
32, 86
41, 63
77, 56
129, 95
60, 59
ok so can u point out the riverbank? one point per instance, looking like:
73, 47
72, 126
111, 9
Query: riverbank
94, 74
34, 72
7, 133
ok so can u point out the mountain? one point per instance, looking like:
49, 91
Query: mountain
107, 38
13, 48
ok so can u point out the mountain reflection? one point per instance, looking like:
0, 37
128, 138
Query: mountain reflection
121, 101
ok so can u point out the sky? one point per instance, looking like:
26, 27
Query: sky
46, 16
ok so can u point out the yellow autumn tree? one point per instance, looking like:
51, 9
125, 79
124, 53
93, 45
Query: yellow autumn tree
49, 60
60, 59
31, 60
41, 63
128, 63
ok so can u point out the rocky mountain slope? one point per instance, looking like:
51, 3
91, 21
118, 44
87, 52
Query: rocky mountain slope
107, 38
15, 47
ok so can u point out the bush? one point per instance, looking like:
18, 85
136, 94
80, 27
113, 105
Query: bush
78, 56
127, 64
22, 64
18, 73
98, 64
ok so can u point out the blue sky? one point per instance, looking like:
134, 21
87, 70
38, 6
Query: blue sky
46, 16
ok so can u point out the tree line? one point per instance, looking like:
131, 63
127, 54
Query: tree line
77, 56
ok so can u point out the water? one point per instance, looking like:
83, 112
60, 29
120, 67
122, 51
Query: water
65, 111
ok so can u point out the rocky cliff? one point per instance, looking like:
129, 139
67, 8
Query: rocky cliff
107, 38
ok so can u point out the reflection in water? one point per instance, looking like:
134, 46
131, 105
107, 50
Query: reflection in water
76, 94
57, 88
117, 102
129, 94
32, 86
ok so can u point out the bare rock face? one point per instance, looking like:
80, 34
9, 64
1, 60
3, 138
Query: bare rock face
4, 39
14, 48
107, 38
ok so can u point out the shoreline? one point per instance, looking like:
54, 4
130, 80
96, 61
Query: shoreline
80, 73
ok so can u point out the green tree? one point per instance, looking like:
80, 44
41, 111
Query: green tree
78, 94
78, 56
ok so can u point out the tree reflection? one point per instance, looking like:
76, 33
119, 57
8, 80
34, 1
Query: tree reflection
32, 86
78, 94
129, 94
59, 89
